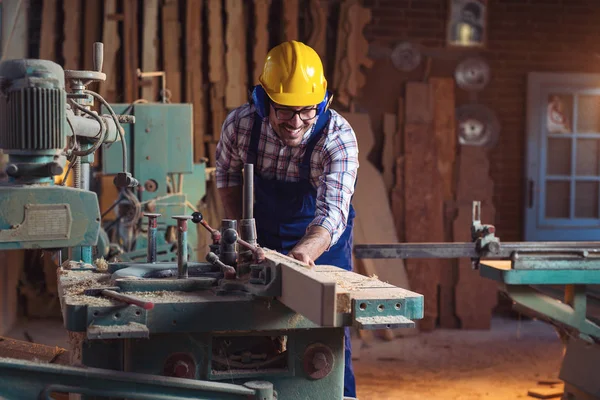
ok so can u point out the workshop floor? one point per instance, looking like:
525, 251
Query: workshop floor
499, 364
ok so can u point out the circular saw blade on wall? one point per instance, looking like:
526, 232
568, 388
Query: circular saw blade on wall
406, 56
477, 125
472, 74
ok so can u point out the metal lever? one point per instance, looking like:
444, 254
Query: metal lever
98, 56
198, 218
257, 252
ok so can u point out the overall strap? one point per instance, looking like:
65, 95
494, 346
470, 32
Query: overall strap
254, 139
318, 131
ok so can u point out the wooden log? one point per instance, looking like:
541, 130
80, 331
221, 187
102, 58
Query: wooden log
72, 34
445, 135
216, 66
130, 51
261, 36
235, 58
290, 20
150, 46
48, 30
424, 205
112, 44
194, 91
171, 55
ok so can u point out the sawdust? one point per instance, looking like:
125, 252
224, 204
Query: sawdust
74, 283
294, 321
101, 264
131, 327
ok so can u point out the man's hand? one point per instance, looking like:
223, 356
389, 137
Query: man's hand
312, 245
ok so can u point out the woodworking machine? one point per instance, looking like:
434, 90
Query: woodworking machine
527, 272
161, 154
246, 323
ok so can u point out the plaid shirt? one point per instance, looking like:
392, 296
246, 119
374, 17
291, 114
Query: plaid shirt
333, 164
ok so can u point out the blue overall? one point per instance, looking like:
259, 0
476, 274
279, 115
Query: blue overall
283, 211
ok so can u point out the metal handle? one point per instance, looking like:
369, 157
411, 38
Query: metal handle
98, 56
146, 305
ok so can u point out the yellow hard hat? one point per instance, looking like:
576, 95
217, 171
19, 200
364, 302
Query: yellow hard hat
293, 75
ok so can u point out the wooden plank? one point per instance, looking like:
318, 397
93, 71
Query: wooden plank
475, 296
424, 206
48, 30
342, 63
320, 293
309, 294
194, 91
419, 103
150, 43
72, 34
261, 36
546, 392
15, 29
112, 44
357, 48
235, 58
388, 158
216, 66
92, 30
318, 28
445, 135
397, 193
445, 131
170, 48
351, 51
290, 19
130, 51
21, 350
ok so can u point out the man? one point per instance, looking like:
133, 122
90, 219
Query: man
305, 160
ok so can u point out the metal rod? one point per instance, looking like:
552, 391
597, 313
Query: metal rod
248, 195
152, 230
469, 250
85, 176
182, 250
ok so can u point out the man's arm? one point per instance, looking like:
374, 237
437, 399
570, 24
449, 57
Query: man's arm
231, 197
312, 245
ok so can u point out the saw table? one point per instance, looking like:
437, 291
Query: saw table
246, 323
523, 269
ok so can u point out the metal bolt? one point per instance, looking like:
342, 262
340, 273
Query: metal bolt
319, 361
182, 251
152, 230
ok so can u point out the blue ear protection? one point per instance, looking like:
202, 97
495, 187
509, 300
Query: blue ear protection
261, 102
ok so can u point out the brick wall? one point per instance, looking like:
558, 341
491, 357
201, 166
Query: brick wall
523, 36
